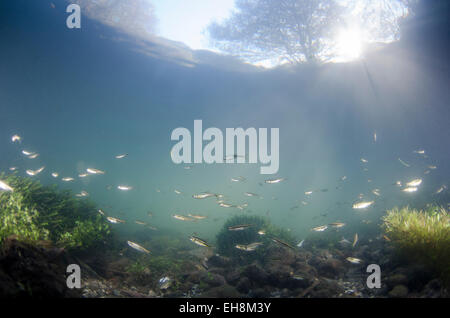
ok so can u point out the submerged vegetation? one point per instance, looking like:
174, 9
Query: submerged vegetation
33, 212
227, 240
421, 236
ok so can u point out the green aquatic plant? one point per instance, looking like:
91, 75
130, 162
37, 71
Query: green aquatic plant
148, 269
421, 236
227, 240
18, 219
85, 234
35, 212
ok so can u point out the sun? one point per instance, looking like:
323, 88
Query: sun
349, 44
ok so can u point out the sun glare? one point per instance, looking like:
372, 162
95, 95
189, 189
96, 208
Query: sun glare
349, 45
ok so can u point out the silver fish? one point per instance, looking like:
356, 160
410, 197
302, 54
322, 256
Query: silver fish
138, 247
249, 247
354, 260
5, 187
124, 188
121, 156
94, 171
271, 181
404, 163
203, 195
414, 183
34, 172
362, 205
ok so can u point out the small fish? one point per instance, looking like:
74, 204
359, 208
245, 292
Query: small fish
426, 171
83, 175
67, 179
304, 203
226, 205
114, 220
16, 138
33, 155
442, 188
82, 194
364, 160
344, 241
308, 192
354, 260
300, 244
250, 194
198, 217
182, 217
414, 183
271, 181
138, 247
420, 151
362, 205
297, 277
432, 167
5, 187
238, 179
386, 238
121, 156
27, 153
55, 174
398, 183
199, 241
320, 228
101, 212
140, 222
124, 188
203, 195
355, 240
13, 168
410, 189
239, 227
249, 247
376, 192
375, 136
404, 163
262, 232
176, 191
35, 172
276, 240
242, 206
343, 178
337, 224
94, 171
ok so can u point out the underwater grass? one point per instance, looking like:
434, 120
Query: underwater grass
421, 236
33, 212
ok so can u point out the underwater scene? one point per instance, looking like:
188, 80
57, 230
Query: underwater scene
224, 149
